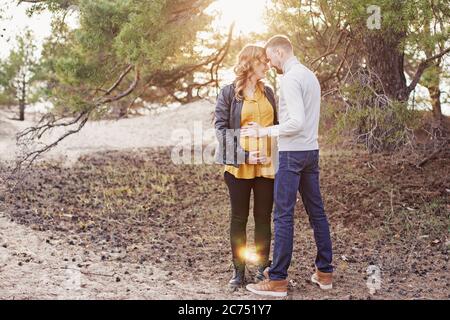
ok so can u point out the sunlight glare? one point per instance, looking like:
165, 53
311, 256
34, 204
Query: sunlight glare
249, 255
247, 15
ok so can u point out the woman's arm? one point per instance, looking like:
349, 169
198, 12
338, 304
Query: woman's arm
229, 150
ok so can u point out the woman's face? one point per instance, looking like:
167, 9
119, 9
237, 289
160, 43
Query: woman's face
261, 67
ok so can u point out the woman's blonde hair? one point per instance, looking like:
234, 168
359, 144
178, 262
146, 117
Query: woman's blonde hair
248, 58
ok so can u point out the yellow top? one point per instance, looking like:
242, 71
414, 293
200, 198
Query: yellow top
261, 111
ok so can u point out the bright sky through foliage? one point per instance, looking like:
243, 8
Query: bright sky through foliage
247, 15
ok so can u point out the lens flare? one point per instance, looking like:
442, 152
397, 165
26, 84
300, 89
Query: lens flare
249, 255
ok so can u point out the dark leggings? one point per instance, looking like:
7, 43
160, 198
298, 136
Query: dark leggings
240, 190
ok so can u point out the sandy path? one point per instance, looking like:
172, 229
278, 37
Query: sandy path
125, 134
41, 265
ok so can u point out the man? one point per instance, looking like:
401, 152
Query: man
298, 170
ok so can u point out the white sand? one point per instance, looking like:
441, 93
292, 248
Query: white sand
42, 265
124, 134
34, 267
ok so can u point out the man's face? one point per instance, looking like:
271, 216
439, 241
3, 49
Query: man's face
274, 56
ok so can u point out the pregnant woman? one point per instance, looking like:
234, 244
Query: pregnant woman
248, 161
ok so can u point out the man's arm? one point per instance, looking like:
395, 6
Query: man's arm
293, 97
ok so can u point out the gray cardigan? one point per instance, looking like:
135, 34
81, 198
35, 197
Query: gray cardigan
227, 123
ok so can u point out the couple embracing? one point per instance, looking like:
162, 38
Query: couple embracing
247, 123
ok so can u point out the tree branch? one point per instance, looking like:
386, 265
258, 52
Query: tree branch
124, 93
119, 80
30, 157
421, 68
332, 50
29, 135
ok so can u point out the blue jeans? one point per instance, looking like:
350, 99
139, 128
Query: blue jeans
298, 171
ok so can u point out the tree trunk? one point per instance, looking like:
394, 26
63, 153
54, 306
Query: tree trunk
123, 109
385, 58
433, 85
22, 101
435, 94
21, 110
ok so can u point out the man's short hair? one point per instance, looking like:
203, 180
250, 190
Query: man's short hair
279, 41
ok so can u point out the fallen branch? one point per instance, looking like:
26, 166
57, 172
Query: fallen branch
443, 147
86, 272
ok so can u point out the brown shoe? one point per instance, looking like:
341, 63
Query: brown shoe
274, 288
324, 280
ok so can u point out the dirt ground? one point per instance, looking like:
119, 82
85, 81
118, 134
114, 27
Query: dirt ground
130, 224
